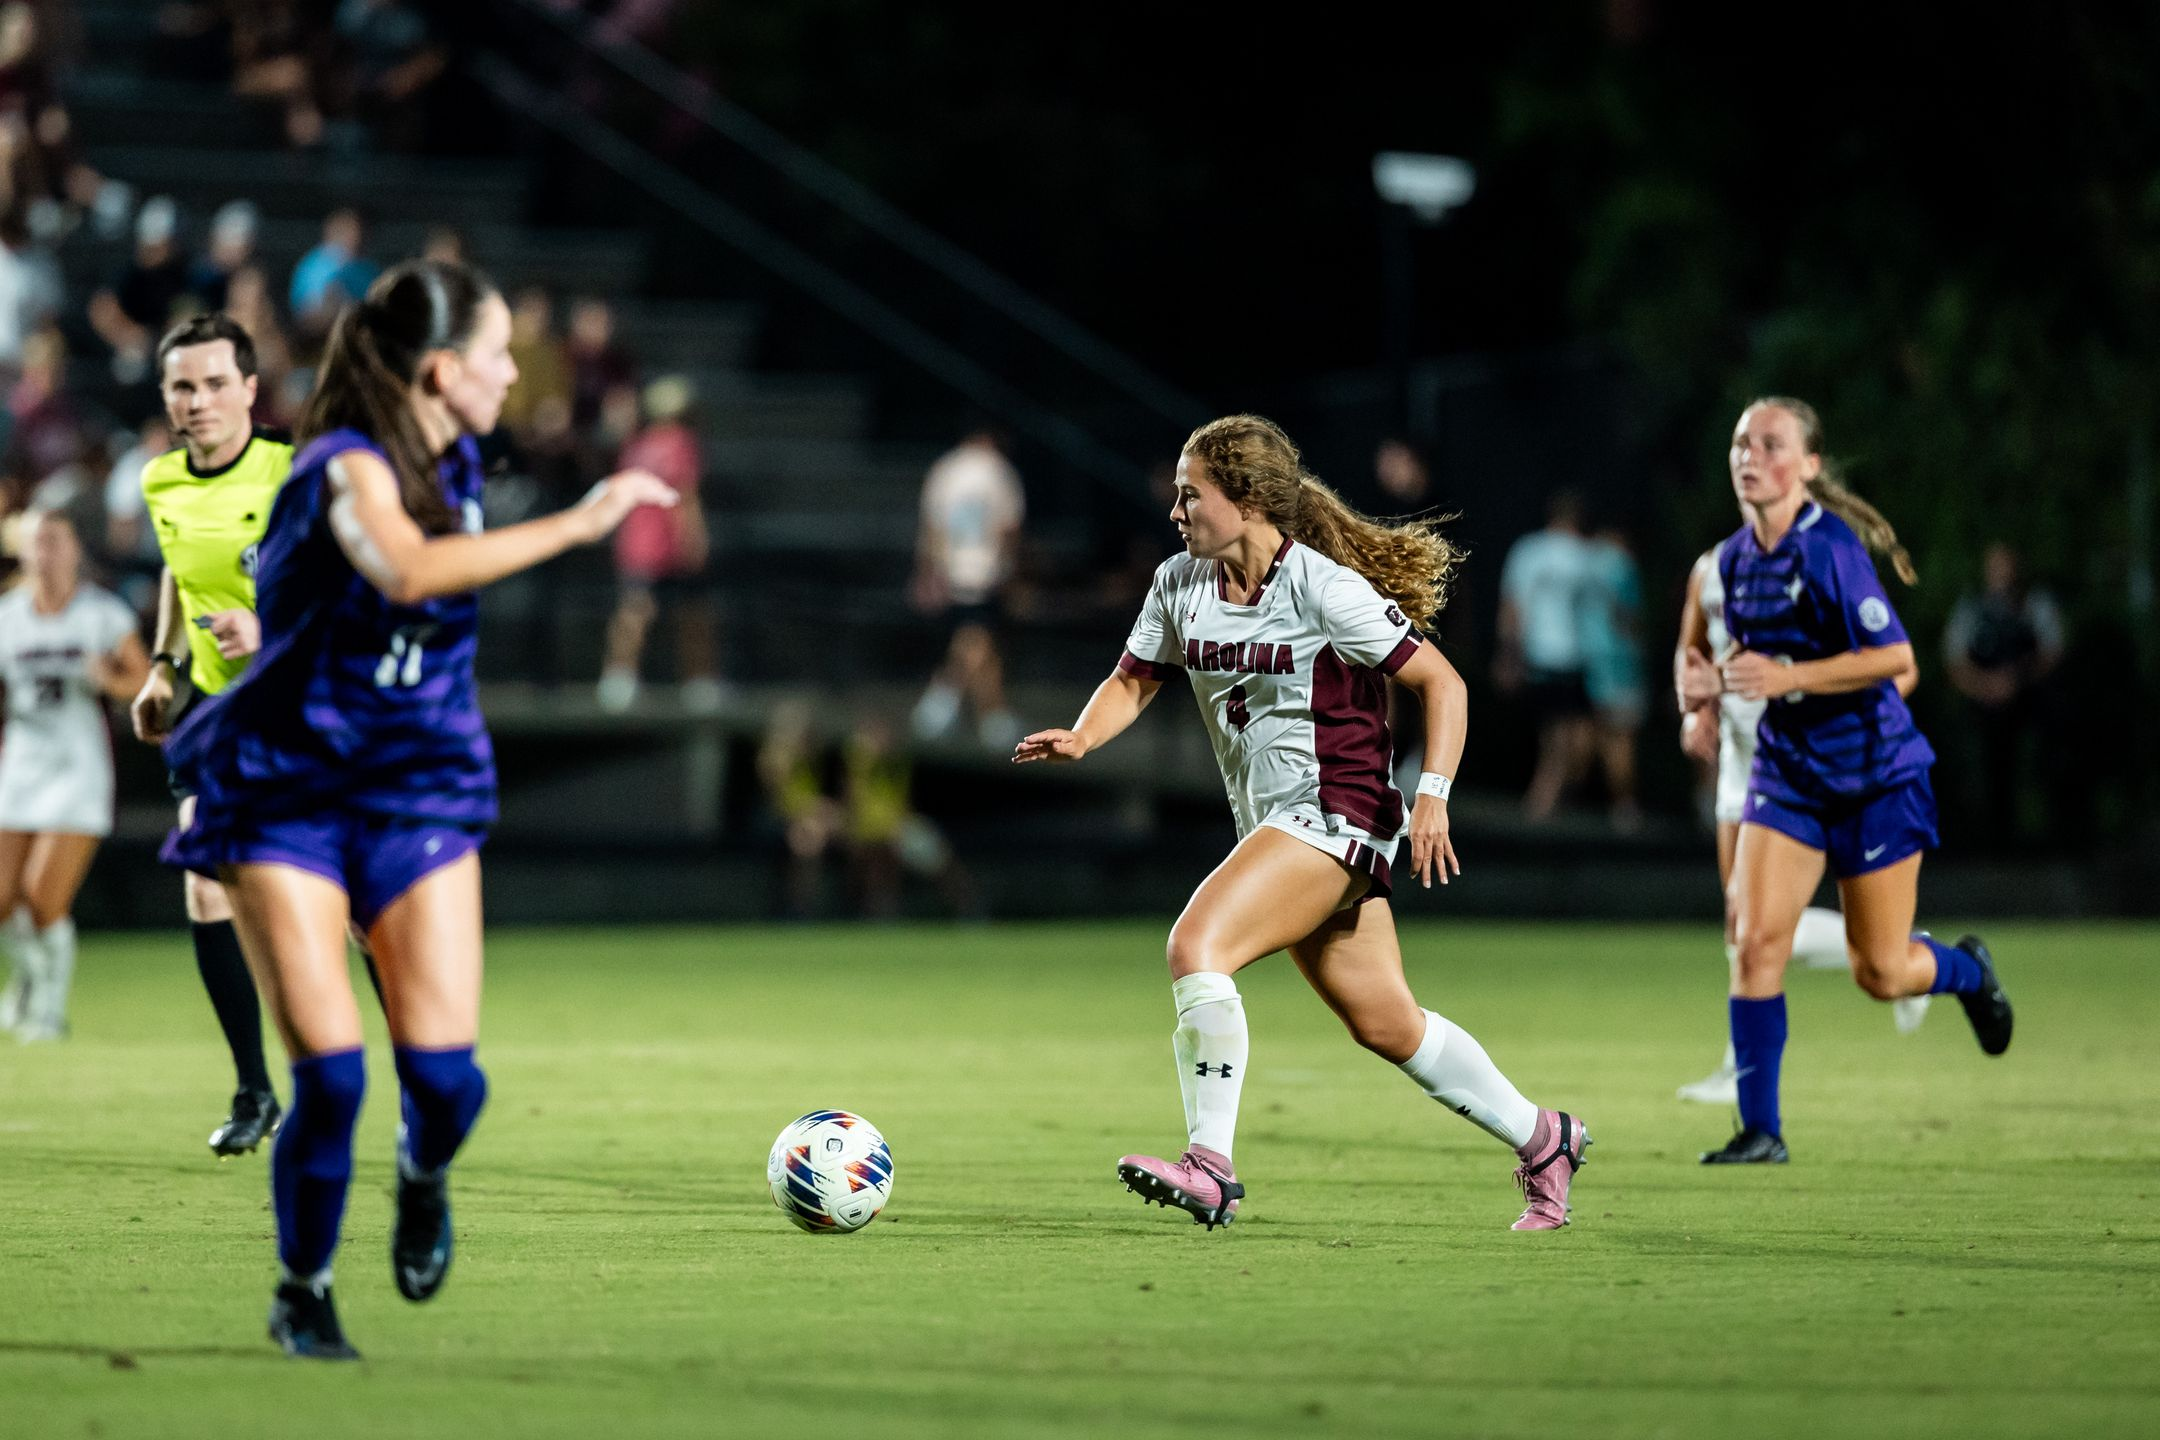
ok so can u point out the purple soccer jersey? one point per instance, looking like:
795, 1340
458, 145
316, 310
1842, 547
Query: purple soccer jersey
354, 703
1814, 596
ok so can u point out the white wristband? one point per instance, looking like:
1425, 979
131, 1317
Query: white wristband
1434, 784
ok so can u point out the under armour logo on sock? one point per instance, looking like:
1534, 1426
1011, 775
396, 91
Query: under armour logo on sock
1204, 1069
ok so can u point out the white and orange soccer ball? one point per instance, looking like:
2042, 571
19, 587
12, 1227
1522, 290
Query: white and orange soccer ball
830, 1172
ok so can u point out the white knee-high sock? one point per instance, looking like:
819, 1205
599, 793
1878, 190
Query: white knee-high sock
1819, 943
1455, 1070
1210, 1045
58, 940
19, 938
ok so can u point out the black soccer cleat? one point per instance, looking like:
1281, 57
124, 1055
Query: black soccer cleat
304, 1323
1988, 1008
254, 1118
420, 1241
1749, 1147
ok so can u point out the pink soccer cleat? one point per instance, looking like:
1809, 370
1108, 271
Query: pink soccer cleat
1200, 1182
1550, 1160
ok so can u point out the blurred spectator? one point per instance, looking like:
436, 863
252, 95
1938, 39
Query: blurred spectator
131, 548
537, 409
2001, 646
46, 434
1540, 653
598, 365
392, 60
332, 274
76, 489
661, 557
231, 249
443, 243
887, 840
279, 53
791, 768
972, 509
26, 85
30, 291
247, 300
133, 311
1613, 667
1401, 474
39, 165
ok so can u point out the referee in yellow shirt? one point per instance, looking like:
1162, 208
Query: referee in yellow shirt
209, 503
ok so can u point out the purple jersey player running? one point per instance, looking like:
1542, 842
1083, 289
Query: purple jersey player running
1841, 771
348, 775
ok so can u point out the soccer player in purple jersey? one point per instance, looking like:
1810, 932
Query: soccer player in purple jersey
348, 776
1289, 613
1841, 771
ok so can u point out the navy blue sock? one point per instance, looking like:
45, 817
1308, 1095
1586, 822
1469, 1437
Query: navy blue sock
1956, 973
311, 1164
1758, 1042
444, 1091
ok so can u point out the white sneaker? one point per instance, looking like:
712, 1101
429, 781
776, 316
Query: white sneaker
1908, 1013
618, 690
41, 1032
1720, 1087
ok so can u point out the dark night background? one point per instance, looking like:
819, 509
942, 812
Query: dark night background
1941, 227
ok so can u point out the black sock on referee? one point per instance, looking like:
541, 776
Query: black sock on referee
232, 994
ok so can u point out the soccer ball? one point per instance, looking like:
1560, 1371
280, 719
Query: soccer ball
830, 1172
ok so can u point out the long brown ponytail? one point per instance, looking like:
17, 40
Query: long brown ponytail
1258, 469
372, 359
1830, 491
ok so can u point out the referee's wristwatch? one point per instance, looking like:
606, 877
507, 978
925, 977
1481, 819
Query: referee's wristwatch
178, 665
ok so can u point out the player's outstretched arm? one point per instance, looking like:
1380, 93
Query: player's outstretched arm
1445, 701
1116, 703
408, 565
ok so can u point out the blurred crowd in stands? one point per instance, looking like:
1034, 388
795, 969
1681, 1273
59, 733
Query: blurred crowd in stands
82, 414
335, 70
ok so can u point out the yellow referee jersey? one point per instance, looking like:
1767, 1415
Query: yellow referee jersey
208, 525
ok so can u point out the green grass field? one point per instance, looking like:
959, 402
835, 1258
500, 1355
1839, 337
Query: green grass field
1961, 1246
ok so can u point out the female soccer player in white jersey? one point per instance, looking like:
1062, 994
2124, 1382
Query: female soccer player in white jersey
65, 646
1719, 726
1290, 612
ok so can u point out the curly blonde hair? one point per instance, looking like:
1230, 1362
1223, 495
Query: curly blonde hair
1258, 469
1830, 491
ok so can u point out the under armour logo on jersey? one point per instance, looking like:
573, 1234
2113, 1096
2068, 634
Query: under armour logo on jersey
1792, 591
1203, 1070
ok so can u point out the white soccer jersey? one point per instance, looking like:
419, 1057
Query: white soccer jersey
1737, 718
56, 769
1293, 688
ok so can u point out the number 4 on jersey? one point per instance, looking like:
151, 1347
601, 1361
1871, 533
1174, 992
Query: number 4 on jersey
1234, 709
